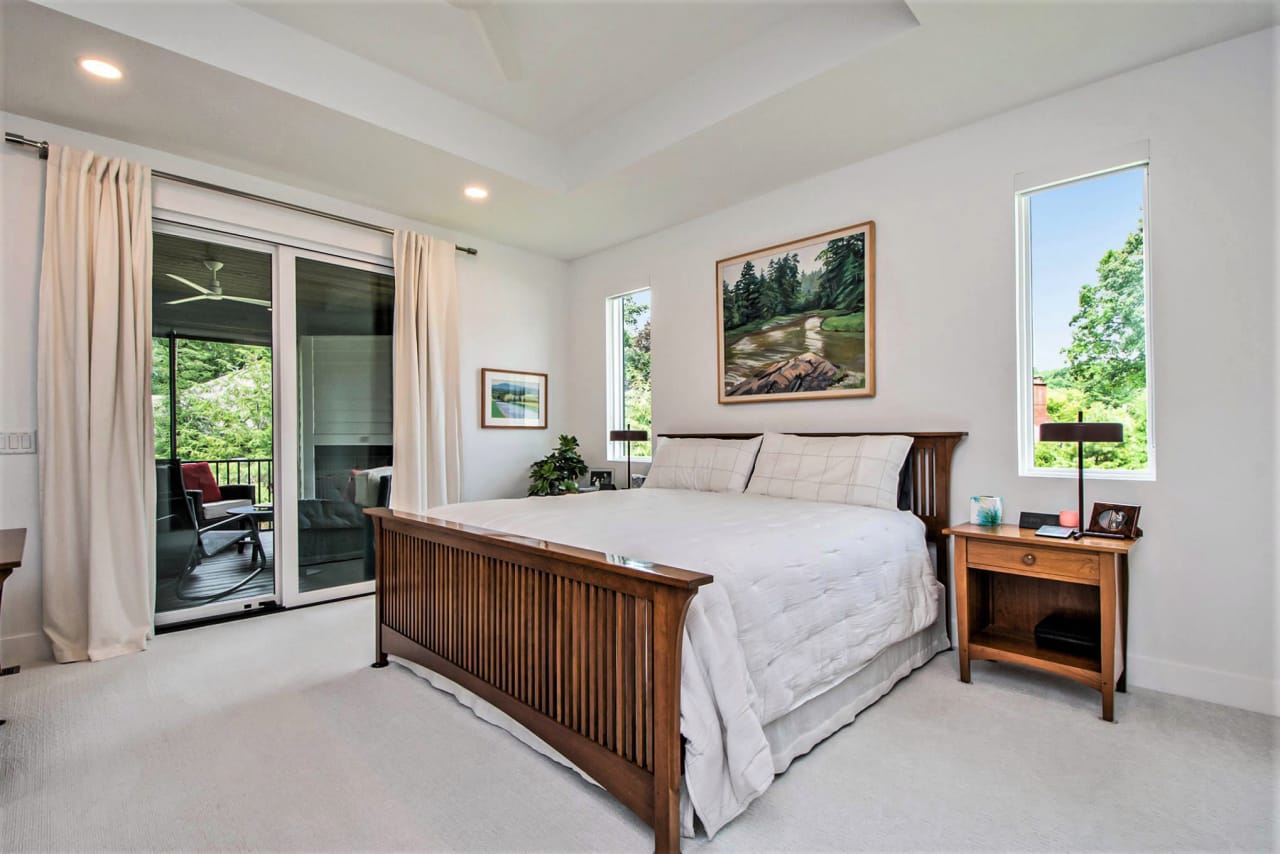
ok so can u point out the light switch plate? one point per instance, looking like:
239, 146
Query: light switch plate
18, 442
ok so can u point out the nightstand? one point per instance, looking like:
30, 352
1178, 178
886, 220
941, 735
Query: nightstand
1008, 580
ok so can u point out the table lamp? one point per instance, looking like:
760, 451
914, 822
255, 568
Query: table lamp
1081, 431
628, 435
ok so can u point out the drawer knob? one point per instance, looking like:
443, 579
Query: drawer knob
1029, 559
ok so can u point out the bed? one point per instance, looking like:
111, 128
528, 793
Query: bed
567, 621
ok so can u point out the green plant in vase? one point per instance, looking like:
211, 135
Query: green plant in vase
558, 472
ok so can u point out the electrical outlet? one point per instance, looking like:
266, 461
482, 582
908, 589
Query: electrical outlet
18, 443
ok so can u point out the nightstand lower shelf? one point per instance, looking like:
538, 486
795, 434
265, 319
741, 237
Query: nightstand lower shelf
996, 643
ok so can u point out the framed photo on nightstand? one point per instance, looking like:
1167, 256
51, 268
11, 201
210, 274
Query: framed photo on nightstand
1119, 521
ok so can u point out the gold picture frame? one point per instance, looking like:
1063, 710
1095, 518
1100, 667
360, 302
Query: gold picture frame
801, 319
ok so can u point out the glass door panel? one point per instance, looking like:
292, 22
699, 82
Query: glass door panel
343, 318
211, 379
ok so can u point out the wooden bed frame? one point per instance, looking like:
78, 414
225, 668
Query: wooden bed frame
581, 647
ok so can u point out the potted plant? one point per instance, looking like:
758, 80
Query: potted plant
558, 472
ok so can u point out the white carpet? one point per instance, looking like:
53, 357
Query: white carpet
273, 734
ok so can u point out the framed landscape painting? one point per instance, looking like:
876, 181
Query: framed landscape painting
513, 399
797, 321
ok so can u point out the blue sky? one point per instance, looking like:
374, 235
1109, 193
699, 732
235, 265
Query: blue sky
1072, 227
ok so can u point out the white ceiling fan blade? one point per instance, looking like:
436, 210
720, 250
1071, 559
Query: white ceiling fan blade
249, 300
497, 36
185, 299
189, 283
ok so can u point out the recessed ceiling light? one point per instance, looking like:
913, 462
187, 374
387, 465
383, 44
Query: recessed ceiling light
100, 68
476, 192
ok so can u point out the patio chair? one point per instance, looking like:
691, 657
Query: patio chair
182, 542
177, 534
210, 499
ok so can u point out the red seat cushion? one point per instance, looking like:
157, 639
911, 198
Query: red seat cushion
200, 476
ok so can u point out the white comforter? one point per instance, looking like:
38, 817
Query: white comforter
805, 594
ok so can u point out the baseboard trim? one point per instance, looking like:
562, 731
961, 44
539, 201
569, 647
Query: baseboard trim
1240, 690
25, 649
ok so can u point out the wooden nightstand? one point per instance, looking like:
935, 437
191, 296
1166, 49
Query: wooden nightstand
1008, 579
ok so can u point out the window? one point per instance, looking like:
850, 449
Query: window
628, 366
1083, 308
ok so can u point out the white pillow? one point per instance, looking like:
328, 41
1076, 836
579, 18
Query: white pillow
707, 465
841, 469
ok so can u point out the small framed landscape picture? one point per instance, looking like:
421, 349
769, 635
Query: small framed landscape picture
513, 399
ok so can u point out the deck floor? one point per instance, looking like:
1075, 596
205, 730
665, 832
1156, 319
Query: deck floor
217, 573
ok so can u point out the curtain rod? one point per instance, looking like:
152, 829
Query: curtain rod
43, 147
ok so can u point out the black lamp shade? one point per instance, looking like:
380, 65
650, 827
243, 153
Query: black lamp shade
1081, 431
630, 435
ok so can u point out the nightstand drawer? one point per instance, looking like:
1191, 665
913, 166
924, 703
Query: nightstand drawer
1035, 561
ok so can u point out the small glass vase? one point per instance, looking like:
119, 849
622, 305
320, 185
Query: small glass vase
986, 510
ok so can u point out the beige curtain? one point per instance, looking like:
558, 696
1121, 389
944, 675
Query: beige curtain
97, 460
426, 466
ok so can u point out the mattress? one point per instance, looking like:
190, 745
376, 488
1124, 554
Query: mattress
806, 596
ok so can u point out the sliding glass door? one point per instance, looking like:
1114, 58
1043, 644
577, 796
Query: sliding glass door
342, 348
211, 379
271, 387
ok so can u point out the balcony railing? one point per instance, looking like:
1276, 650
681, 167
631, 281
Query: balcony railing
244, 470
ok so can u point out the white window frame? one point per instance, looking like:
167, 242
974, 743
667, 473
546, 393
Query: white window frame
615, 381
1027, 185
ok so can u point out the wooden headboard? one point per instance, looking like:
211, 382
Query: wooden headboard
930, 471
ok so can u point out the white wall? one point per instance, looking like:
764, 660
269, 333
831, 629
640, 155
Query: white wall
511, 311
1203, 593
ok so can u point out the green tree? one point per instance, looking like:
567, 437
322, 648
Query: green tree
785, 275
729, 301
750, 294
224, 399
1064, 404
1106, 372
842, 284
160, 394
768, 290
636, 368
1107, 357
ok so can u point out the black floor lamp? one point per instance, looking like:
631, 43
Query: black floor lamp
1081, 431
628, 435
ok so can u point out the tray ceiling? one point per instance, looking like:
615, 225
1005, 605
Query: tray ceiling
591, 123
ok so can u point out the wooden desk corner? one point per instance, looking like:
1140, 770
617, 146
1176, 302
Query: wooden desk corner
12, 542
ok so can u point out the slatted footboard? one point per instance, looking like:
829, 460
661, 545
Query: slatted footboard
581, 647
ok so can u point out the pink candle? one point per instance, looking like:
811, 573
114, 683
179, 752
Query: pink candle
1069, 518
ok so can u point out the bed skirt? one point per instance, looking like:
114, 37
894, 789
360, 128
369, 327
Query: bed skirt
789, 737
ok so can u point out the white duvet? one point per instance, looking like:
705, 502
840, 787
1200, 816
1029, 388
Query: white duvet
805, 594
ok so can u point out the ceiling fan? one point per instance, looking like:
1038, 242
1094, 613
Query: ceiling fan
214, 292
